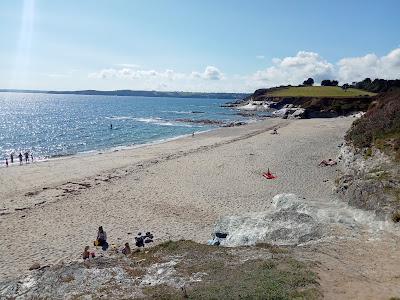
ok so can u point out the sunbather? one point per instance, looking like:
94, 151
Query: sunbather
325, 163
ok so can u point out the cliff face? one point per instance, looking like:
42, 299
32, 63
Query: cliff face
371, 181
371, 169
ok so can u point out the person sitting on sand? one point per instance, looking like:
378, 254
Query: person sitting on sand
102, 239
127, 249
325, 163
275, 131
86, 253
141, 240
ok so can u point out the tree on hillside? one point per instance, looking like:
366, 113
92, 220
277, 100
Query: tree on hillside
328, 82
308, 82
345, 86
377, 85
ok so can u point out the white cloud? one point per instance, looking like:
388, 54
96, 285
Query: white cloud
372, 66
129, 73
210, 73
294, 69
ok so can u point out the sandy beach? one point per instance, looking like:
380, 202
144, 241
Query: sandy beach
177, 190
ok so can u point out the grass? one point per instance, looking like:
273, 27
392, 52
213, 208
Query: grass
319, 91
389, 143
234, 274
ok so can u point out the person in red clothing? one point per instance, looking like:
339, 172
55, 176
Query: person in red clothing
269, 175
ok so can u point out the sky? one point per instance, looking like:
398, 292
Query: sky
188, 45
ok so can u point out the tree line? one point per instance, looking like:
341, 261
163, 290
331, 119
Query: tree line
376, 86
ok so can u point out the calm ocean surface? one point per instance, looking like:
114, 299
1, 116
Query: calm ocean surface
58, 125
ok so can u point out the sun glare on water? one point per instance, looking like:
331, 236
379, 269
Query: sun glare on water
22, 59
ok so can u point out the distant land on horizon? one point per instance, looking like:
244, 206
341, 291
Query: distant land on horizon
137, 93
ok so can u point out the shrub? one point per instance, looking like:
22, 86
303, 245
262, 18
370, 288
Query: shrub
380, 125
396, 217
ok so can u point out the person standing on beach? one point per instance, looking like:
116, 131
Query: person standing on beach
26, 156
31, 157
6, 162
12, 157
20, 158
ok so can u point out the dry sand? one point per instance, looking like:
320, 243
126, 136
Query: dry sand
177, 190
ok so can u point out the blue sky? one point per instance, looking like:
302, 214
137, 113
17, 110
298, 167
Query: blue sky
194, 45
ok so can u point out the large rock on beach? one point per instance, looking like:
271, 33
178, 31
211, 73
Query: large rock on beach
289, 221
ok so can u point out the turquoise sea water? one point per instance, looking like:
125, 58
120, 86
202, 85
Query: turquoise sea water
57, 125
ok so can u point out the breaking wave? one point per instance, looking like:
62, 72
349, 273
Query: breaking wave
161, 122
156, 121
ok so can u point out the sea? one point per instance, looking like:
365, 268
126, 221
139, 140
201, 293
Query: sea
49, 125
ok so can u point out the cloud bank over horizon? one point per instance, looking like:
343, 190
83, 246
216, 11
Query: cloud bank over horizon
295, 69
283, 71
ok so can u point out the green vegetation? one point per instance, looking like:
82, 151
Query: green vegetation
396, 217
377, 85
318, 91
380, 126
231, 273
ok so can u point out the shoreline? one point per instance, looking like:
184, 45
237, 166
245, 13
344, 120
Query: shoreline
98, 162
108, 150
177, 189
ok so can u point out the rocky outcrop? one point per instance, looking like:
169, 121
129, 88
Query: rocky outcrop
212, 122
290, 112
201, 121
171, 270
313, 107
370, 181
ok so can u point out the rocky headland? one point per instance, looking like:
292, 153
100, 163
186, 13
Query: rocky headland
303, 107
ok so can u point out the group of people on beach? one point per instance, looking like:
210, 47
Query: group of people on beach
27, 156
101, 241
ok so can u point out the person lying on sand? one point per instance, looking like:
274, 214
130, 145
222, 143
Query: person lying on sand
325, 163
274, 131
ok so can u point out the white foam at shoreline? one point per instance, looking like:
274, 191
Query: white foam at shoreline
113, 149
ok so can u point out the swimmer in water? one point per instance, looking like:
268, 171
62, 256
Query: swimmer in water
111, 126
